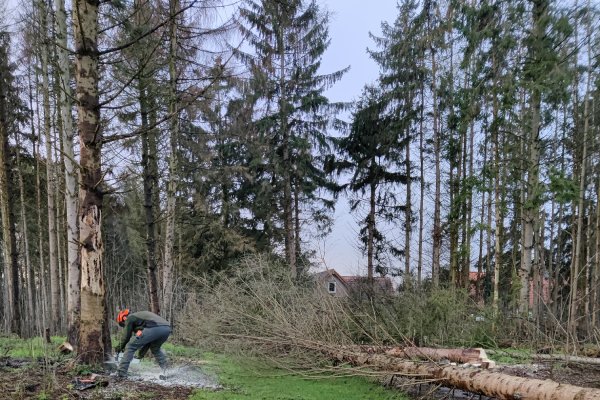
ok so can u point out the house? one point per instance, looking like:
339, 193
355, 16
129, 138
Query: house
339, 286
332, 282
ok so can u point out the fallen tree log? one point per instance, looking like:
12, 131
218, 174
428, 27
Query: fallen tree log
473, 356
566, 358
475, 380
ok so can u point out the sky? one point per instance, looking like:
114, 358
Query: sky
350, 24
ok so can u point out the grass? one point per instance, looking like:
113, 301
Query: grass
29, 348
245, 379
510, 356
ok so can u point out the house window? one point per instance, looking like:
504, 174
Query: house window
331, 287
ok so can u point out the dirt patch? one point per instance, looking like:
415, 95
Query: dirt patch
183, 375
49, 379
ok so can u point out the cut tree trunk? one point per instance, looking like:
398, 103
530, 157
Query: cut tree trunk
475, 380
474, 356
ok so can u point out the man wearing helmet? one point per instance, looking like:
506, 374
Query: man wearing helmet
150, 331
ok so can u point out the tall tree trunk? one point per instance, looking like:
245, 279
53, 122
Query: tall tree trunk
7, 199
43, 298
71, 175
371, 230
93, 307
50, 175
498, 222
149, 146
578, 240
484, 208
297, 247
532, 195
60, 227
437, 223
408, 211
147, 105
588, 276
286, 167
169, 257
596, 260
421, 185
468, 209
596, 263
28, 268
558, 308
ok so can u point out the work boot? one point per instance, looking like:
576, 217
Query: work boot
117, 376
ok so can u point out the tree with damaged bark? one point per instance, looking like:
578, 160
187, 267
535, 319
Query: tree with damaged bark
93, 307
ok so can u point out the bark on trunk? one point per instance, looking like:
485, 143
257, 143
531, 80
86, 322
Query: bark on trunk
421, 186
297, 248
486, 382
476, 356
43, 298
530, 205
288, 215
93, 308
578, 241
149, 187
437, 223
71, 176
169, 262
371, 232
27, 268
7, 201
407, 212
50, 179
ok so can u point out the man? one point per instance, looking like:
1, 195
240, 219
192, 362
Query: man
149, 330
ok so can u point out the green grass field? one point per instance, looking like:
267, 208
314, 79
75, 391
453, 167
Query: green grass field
246, 379
29, 348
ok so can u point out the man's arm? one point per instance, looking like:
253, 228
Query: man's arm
127, 334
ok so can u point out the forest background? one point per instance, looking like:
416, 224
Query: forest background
203, 142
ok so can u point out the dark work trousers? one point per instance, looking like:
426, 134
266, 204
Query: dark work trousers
152, 338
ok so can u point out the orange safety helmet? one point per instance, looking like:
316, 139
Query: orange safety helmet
122, 316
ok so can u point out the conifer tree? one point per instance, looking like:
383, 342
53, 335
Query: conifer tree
288, 38
372, 154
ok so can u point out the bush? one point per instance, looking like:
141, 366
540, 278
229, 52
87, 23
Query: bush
257, 307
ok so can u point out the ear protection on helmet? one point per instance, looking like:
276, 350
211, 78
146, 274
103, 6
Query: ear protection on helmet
122, 316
